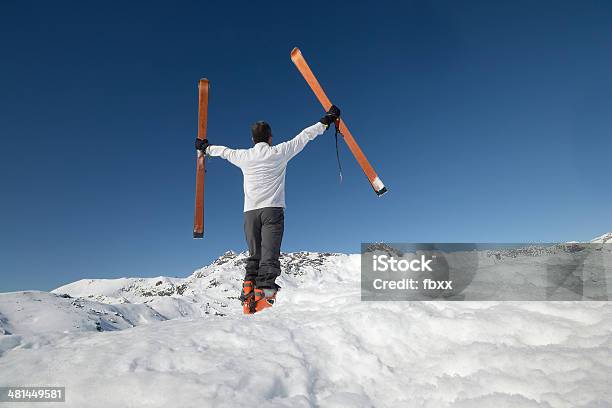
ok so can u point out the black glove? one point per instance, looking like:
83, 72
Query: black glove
201, 144
331, 116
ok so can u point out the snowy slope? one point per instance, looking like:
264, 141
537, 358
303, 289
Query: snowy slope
319, 346
36, 312
605, 238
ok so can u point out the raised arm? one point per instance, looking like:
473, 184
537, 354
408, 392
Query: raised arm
292, 147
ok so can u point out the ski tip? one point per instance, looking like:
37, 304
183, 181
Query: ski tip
295, 52
198, 235
203, 81
381, 191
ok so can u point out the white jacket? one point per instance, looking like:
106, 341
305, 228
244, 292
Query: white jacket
263, 167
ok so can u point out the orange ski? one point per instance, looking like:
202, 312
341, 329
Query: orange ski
302, 66
198, 219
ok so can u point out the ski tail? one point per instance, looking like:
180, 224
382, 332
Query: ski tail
302, 66
198, 219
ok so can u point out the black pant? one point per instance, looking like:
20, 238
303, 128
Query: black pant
263, 229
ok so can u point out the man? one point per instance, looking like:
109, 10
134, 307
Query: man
263, 167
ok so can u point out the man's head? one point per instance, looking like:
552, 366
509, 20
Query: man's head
261, 132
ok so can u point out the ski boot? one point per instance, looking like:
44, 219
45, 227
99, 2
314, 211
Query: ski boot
247, 297
264, 298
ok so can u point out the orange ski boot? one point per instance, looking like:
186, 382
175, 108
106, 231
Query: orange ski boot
247, 297
264, 298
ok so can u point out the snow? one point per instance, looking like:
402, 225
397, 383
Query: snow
29, 313
320, 345
605, 238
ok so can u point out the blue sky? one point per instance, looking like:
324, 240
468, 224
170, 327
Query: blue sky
488, 121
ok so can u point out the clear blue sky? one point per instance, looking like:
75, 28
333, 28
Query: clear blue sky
488, 121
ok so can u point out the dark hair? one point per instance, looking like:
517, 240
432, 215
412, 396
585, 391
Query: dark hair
261, 131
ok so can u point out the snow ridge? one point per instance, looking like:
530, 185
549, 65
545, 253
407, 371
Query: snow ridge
605, 238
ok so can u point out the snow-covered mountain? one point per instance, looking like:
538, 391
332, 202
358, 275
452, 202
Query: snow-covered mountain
213, 289
157, 342
605, 238
116, 304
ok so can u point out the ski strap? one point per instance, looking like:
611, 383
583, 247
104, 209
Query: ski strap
337, 150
